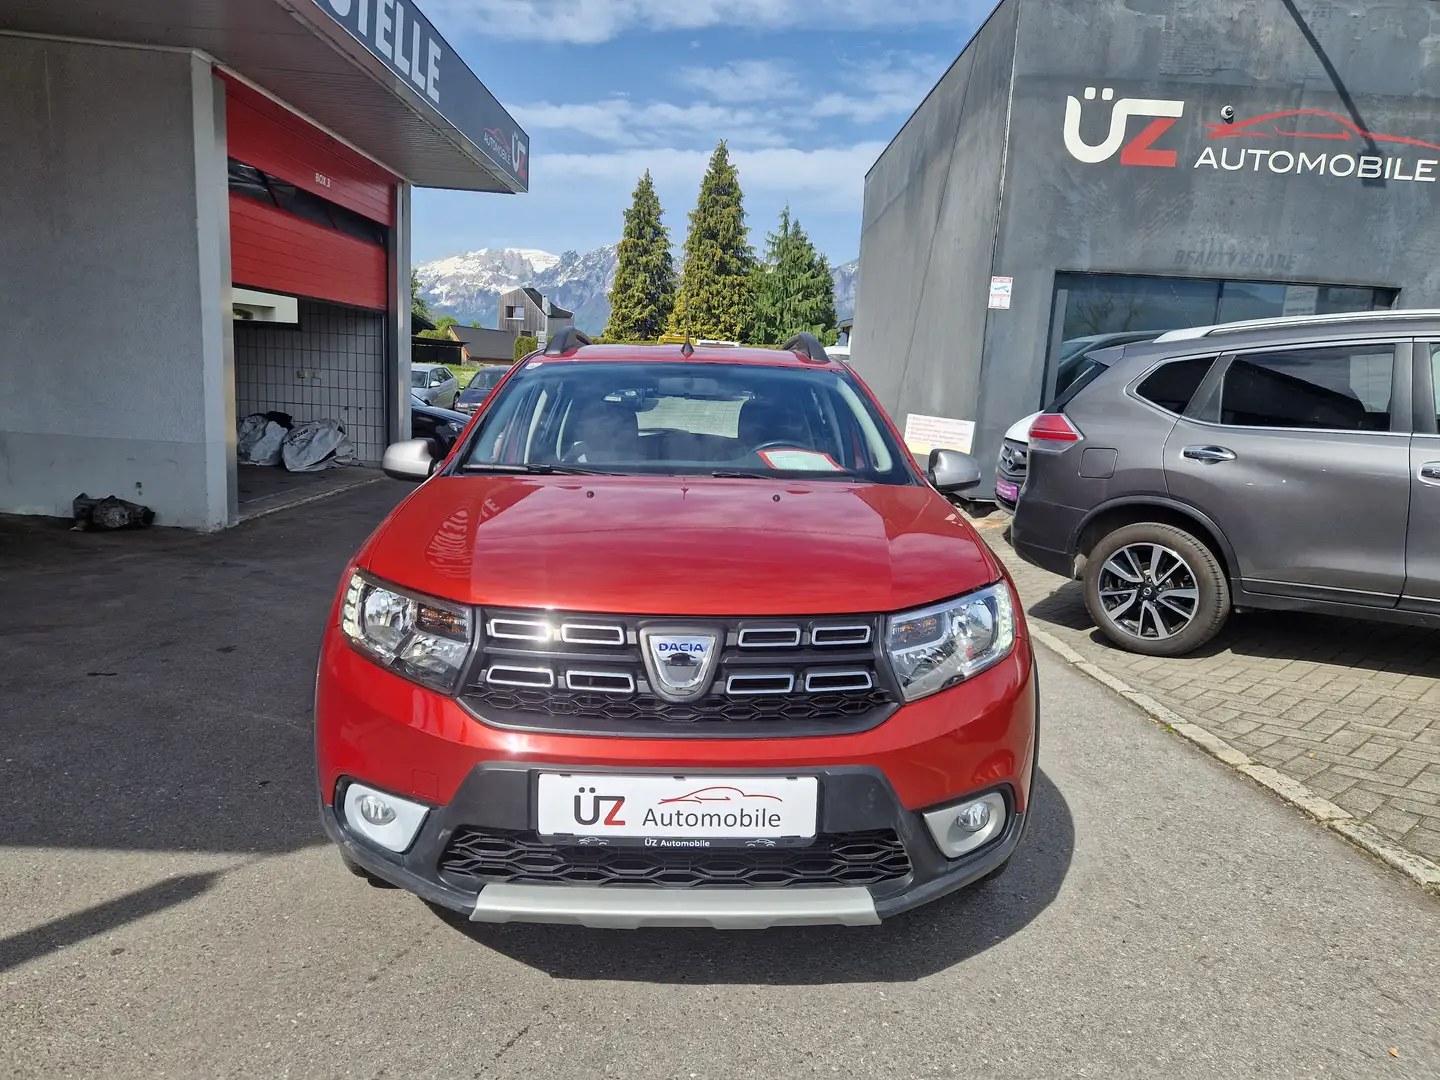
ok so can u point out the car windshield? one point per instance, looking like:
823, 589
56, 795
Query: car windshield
419, 376
690, 419
481, 385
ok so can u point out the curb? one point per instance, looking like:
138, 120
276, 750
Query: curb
1337, 819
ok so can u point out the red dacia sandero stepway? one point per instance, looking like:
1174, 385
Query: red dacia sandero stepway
676, 636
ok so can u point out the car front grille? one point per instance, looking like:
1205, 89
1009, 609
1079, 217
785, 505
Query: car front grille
485, 856
1014, 458
586, 674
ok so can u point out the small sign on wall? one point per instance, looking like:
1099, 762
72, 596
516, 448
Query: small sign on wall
1000, 290
925, 433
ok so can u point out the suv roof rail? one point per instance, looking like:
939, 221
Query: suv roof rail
1194, 332
808, 346
566, 340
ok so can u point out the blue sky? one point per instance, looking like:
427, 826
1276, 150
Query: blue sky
806, 92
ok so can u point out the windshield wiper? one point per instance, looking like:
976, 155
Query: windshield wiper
783, 474
535, 468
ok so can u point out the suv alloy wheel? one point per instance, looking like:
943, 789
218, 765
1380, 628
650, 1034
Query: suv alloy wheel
1155, 589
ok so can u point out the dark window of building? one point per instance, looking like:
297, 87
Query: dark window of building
1094, 311
250, 182
1344, 388
1171, 386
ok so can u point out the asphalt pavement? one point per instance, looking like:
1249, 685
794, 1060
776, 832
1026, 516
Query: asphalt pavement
168, 906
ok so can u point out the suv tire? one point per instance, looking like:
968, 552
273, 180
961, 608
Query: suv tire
1181, 596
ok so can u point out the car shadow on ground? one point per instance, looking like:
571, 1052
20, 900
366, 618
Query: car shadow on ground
1278, 635
903, 949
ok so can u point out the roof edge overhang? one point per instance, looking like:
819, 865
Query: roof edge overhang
436, 126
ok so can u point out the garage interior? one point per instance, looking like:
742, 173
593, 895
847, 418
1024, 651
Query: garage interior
206, 211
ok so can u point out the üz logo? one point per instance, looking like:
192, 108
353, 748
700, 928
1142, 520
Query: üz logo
1140, 150
596, 801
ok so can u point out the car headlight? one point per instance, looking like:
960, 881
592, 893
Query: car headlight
941, 645
418, 637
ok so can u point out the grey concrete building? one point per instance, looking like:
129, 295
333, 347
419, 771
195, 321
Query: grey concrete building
1090, 167
205, 212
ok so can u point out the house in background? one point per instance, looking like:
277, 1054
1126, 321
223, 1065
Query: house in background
528, 314
426, 350
480, 345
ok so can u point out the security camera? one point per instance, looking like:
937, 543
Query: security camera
1228, 114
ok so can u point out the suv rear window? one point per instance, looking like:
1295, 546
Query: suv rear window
1171, 386
1342, 388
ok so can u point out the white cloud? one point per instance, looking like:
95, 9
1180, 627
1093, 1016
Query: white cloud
826, 179
620, 122
593, 21
892, 85
744, 80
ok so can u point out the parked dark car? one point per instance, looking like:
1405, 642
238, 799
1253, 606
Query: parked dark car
1282, 463
428, 422
474, 395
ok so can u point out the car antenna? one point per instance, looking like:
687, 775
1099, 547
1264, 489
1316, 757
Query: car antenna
688, 349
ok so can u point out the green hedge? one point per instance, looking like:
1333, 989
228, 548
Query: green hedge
525, 345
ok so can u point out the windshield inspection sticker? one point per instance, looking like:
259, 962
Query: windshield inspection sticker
799, 460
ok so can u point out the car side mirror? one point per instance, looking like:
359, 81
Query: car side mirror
412, 460
951, 471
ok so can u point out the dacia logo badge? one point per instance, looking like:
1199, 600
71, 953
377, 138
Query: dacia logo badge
680, 660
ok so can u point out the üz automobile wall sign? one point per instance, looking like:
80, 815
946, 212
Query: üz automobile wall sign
1290, 142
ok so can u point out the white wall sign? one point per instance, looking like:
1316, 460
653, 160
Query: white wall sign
1000, 290
925, 433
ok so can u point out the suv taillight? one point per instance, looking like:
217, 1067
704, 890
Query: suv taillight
1053, 431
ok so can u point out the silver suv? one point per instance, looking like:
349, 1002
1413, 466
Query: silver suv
1281, 463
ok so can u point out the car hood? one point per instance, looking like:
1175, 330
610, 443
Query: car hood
678, 546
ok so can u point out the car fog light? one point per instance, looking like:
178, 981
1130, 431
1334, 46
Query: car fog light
375, 810
382, 818
961, 828
972, 819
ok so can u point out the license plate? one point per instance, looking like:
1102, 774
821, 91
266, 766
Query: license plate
678, 811
1007, 491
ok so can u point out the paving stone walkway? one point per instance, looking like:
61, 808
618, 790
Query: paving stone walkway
1350, 709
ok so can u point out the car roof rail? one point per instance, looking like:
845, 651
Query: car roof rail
808, 346
1340, 317
566, 341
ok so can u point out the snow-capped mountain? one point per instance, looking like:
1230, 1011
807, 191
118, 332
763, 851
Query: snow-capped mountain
468, 286
582, 284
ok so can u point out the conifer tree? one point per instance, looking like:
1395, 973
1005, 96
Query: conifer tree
714, 300
793, 287
643, 295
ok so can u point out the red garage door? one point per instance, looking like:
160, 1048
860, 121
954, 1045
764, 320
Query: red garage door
308, 215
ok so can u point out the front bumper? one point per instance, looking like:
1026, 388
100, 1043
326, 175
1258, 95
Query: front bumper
500, 796
378, 729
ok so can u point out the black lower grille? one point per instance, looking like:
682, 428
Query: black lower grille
563, 703
484, 856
